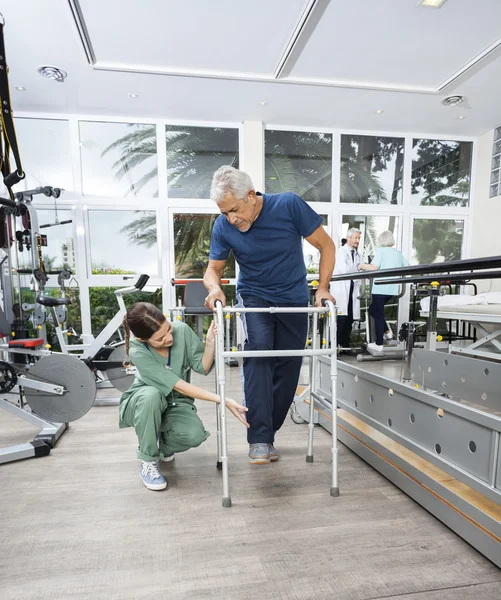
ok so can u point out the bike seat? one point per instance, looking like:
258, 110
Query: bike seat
27, 343
51, 302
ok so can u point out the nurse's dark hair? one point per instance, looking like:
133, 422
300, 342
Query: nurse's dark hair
143, 319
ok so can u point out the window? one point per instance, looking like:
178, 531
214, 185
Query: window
192, 233
495, 188
44, 146
104, 306
436, 240
311, 254
370, 227
441, 173
194, 154
118, 159
123, 242
60, 249
299, 162
371, 169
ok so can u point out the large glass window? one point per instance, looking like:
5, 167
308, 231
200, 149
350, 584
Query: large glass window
441, 172
311, 254
436, 240
104, 306
44, 145
370, 227
194, 154
299, 162
371, 169
60, 249
118, 159
122, 242
192, 233
495, 187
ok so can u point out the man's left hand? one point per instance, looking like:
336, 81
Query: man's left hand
321, 294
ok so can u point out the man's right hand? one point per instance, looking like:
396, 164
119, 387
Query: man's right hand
215, 294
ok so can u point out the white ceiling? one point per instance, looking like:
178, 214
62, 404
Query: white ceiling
317, 63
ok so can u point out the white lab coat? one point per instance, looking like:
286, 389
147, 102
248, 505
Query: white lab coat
341, 289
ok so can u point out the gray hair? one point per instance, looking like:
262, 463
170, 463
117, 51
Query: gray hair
352, 231
228, 180
386, 239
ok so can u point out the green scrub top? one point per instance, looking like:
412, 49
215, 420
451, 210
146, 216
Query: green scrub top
162, 372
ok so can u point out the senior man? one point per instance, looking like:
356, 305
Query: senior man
265, 233
347, 292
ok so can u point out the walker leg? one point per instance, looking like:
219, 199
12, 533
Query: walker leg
313, 369
333, 341
221, 379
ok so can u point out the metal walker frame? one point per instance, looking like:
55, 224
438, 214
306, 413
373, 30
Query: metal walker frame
329, 314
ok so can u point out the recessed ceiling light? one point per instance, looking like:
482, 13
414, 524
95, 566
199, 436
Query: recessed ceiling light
379, 111
263, 102
133, 95
432, 3
20, 88
461, 117
53, 73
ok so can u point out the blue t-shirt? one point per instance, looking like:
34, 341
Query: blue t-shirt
388, 258
270, 254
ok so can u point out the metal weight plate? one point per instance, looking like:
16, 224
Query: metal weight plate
117, 375
72, 374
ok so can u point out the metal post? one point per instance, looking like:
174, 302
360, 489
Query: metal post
410, 347
431, 336
333, 343
222, 406
311, 424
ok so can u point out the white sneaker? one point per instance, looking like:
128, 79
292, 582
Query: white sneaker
388, 335
168, 458
375, 349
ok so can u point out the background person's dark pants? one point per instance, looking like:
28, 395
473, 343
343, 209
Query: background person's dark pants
345, 323
376, 309
270, 383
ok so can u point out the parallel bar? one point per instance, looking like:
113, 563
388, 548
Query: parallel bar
443, 278
488, 262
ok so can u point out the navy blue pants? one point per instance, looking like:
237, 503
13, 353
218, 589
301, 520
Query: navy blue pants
376, 309
270, 383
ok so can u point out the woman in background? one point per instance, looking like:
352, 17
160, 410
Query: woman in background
386, 257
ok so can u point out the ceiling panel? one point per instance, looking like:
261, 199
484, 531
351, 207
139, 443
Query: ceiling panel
203, 35
397, 42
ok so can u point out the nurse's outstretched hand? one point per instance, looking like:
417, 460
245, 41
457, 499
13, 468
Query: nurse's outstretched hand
237, 410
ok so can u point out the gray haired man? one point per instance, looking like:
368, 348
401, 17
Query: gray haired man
265, 233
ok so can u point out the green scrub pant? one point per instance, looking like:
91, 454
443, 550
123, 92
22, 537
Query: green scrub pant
162, 427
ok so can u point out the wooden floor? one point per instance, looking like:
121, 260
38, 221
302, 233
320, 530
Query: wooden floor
80, 524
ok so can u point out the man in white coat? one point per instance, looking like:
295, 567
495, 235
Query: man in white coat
347, 292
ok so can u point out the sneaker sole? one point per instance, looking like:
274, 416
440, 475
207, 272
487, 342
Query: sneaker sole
156, 487
167, 459
273, 458
259, 461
